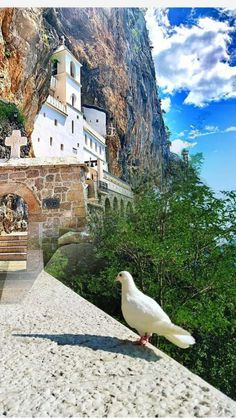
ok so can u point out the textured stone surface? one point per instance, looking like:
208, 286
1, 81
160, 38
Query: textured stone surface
61, 356
117, 74
35, 180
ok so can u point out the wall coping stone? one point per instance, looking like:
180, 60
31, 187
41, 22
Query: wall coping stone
62, 356
39, 162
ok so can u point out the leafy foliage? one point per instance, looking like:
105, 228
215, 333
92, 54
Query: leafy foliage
9, 111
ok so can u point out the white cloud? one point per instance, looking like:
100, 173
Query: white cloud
178, 145
211, 128
230, 129
181, 134
193, 59
208, 130
165, 104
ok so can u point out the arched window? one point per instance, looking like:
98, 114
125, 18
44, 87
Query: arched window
73, 99
54, 67
72, 69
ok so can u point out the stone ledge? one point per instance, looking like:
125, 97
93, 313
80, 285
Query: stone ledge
61, 356
39, 162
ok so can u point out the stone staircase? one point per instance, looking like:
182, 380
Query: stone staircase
19, 266
13, 252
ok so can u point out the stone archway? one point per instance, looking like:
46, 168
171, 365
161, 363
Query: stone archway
115, 204
20, 189
20, 245
107, 206
13, 233
129, 208
122, 207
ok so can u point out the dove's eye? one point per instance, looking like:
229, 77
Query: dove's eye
120, 274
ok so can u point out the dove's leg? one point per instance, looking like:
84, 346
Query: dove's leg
143, 340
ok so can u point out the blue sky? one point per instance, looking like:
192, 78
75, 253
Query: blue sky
194, 51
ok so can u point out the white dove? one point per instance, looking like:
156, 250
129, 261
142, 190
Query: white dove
146, 316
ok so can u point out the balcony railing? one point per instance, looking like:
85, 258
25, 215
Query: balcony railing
57, 104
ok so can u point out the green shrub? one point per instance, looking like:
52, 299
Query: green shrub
10, 112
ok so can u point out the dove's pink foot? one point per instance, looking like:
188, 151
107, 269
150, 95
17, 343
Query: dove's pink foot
142, 341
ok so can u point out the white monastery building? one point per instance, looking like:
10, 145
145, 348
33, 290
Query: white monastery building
61, 129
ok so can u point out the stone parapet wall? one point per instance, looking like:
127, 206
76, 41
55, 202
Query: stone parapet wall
35, 180
118, 186
63, 357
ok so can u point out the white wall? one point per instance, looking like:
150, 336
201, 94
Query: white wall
68, 59
73, 88
45, 128
97, 119
94, 148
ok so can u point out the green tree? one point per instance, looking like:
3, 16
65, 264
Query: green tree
179, 244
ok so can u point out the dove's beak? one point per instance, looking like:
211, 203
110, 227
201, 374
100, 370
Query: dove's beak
117, 279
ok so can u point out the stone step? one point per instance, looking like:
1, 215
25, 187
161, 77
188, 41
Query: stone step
11, 243
12, 266
13, 256
13, 249
10, 237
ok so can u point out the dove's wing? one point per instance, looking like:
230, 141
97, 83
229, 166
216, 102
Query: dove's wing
141, 311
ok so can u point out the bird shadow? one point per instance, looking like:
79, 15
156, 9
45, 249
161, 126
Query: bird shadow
98, 342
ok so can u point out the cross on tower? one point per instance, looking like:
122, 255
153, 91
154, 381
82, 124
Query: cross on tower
15, 142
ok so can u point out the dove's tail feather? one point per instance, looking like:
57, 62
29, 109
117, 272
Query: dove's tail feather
165, 327
182, 341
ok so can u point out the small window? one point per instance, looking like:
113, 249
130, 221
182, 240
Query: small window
74, 150
92, 176
44, 114
62, 147
77, 116
72, 127
96, 147
86, 139
100, 149
38, 140
50, 140
91, 143
55, 122
72, 69
97, 120
73, 100
77, 144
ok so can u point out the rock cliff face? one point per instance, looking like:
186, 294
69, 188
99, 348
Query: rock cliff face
117, 74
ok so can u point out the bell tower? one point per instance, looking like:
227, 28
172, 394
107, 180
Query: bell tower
66, 77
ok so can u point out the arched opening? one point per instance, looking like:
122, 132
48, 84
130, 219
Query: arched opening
73, 100
72, 69
107, 206
14, 216
129, 208
115, 204
122, 208
55, 67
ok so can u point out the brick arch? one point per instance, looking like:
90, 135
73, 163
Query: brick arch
18, 188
